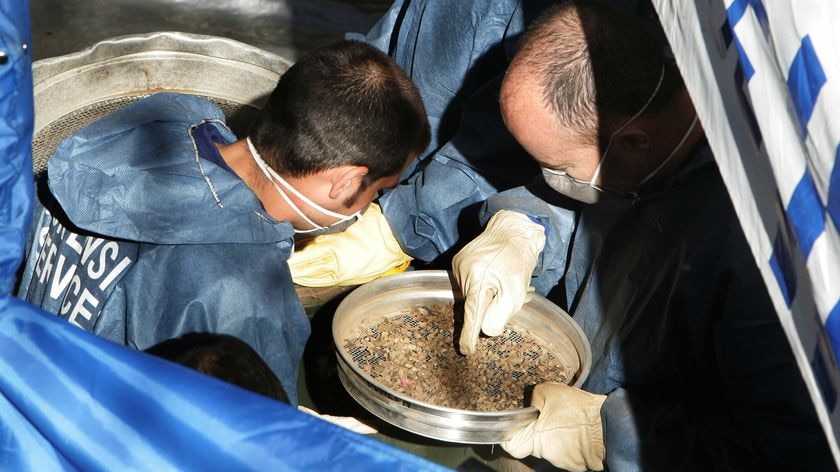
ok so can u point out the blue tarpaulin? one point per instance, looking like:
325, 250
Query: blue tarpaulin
74, 401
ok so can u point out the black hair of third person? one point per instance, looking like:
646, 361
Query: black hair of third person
224, 357
343, 104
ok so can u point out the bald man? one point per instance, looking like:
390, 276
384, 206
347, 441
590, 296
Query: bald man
691, 368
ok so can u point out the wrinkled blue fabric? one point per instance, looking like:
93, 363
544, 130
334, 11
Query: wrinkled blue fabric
15, 138
74, 401
146, 239
685, 340
456, 53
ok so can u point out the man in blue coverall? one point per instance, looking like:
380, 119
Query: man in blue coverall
691, 368
159, 221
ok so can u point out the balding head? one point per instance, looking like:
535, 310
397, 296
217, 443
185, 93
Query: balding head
595, 66
583, 71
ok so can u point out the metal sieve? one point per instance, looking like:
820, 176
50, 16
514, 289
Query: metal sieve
75, 90
395, 294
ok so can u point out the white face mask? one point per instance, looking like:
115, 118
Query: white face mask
344, 221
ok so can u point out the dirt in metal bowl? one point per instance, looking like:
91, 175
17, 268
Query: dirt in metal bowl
414, 352
380, 301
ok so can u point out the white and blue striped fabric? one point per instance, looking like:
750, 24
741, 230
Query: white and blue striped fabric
765, 78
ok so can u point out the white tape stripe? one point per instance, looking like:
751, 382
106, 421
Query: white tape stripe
824, 128
817, 19
785, 35
824, 271
768, 93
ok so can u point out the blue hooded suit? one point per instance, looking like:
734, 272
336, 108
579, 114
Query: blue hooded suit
145, 234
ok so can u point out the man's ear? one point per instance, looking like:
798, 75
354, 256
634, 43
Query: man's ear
345, 180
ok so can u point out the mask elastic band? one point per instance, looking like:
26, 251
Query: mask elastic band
673, 153
269, 175
612, 136
288, 186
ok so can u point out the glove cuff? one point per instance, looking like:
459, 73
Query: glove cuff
593, 449
510, 224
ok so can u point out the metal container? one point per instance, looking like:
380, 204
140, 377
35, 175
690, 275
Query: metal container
391, 295
77, 89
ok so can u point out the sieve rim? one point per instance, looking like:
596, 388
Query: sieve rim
426, 287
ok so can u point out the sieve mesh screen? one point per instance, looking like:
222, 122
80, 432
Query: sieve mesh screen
415, 353
238, 117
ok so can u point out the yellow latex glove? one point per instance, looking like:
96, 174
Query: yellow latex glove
567, 433
494, 273
365, 251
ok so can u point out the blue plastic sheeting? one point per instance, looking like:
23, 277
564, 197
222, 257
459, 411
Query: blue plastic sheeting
15, 136
74, 401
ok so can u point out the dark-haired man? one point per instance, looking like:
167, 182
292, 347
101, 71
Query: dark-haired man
159, 221
691, 368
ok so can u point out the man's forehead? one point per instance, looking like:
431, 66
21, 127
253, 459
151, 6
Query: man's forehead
550, 143
532, 121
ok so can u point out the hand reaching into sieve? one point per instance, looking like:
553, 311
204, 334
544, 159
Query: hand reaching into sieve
494, 273
568, 431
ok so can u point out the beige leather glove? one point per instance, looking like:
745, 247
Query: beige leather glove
568, 431
494, 271
365, 251
346, 422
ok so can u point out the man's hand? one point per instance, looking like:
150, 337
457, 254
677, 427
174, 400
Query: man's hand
365, 251
568, 431
494, 272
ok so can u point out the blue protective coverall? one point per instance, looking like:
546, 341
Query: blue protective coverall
145, 234
685, 340
457, 53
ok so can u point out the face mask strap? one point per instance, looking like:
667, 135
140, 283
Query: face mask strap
268, 173
274, 177
626, 123
674, 152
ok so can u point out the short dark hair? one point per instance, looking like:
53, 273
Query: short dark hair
598, 66
344, 104
225, 357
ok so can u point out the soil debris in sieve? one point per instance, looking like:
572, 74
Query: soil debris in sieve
414, 352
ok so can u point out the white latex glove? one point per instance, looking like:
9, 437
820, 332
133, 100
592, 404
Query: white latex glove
494, 271
346, 422
568, 431
365, 251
